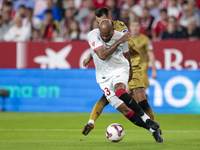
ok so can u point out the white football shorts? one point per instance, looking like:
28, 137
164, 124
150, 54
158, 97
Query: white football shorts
120, 75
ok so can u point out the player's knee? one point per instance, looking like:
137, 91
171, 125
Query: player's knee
119, 92
104, 101
144, 104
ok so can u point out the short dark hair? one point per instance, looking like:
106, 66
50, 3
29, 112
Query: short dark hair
92, 9
172, 18
146, 8
48, 11
163, 10
29, 8
102, 11
8, 3
22, 6
136, 20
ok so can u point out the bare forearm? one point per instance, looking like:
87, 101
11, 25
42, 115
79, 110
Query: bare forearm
152, 60
104, 53
90, 57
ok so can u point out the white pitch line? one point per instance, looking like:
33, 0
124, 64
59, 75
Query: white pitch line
78, 130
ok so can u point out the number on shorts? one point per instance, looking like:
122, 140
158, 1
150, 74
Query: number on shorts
106, 91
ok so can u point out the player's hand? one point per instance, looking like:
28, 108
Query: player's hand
125, 38
154, 74
86, 62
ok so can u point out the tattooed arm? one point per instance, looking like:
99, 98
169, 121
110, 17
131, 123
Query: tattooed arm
104, 53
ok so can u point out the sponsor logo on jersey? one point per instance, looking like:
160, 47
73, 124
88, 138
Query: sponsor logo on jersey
93, 43
118, 76
125, 31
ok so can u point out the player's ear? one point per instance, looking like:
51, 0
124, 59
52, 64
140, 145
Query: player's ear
110, 18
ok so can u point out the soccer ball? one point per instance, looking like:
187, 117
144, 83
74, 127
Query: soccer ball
115, 132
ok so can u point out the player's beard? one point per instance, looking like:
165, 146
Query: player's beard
107, 40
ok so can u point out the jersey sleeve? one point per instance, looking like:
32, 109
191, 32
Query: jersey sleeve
120, 26
94, 41
125, 48
148, 45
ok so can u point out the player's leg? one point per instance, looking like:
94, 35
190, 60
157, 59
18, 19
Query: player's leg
96, 111
140, 95
134, 117
98, 108
120, 92
136, 85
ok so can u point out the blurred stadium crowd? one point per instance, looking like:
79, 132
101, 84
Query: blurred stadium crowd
66, 20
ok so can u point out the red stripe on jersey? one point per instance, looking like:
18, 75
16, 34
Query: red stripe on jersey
125, 52
98, 47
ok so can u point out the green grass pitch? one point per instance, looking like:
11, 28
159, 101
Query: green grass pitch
62, 131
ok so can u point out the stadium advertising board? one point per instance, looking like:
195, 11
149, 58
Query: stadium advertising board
76, 90
169, 54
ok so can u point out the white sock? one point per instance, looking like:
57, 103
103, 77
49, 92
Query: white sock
145, 117
151, 130
91, 121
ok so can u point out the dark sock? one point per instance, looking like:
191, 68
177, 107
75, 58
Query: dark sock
146, 108
136, 119
131, 103
144, 105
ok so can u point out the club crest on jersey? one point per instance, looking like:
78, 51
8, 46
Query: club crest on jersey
125, 31
93, 43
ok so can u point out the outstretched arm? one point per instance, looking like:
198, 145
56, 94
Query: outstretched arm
87, 60
152, 60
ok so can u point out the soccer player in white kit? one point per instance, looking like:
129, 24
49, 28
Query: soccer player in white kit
113, 70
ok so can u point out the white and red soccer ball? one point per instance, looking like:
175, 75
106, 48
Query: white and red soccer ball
115, 132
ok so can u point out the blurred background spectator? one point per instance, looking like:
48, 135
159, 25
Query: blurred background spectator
189, 14
8, 8
48, 26
191, 32
194, 4
56, 37
57, 13
153, 8
75, 32
124, 16
18, 32
154, 16
84, 10
160, 25
173, 9
146, 22
65, 22
85, 25
30, 20
5, 24
135, 10
21, 11
36, 35
114, 11
171, 32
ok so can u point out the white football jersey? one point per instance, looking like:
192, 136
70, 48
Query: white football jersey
105, 68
